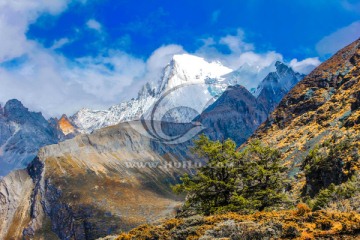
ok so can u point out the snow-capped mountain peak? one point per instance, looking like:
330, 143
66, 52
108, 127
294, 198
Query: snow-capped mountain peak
201, 82
190, 69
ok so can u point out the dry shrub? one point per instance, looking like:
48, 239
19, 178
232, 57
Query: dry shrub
302, 209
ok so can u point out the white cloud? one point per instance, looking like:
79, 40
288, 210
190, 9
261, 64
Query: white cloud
305, 66
49, 82
254, 65
15, 16
338, 39
53, 84
93, 24
236, 42
162, 56
59, 86
154, 66
241, 52
60, 43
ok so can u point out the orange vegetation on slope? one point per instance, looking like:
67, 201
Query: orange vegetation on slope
300, 223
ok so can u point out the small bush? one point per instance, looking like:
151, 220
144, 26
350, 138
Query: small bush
302, 209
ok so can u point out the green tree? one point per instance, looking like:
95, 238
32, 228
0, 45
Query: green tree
334, 161
264, 179
211, 188
234, 181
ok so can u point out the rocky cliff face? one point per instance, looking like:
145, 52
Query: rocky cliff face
64, 127
95, 185
15, 204
22, 133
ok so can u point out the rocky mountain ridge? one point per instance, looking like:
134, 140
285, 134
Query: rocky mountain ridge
323, 103
182, 105
22, 134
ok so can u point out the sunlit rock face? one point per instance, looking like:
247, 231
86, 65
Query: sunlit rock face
66, 126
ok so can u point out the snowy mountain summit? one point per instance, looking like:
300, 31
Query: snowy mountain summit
189, 69
188, 85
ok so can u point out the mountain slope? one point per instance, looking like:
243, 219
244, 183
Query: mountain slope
15, 197
324, 103
22, 133
99, 184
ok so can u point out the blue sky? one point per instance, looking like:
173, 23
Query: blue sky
58, 56
292, 28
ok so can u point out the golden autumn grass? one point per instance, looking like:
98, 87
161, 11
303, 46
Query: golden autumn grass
308, 224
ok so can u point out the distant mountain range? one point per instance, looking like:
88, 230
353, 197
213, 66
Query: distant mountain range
198, 96
191, 82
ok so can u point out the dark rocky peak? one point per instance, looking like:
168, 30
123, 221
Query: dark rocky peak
53, 121
1, 110
15, 111
283, 75
232, 96
236, 115
282, 68
14, 105
276, 85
